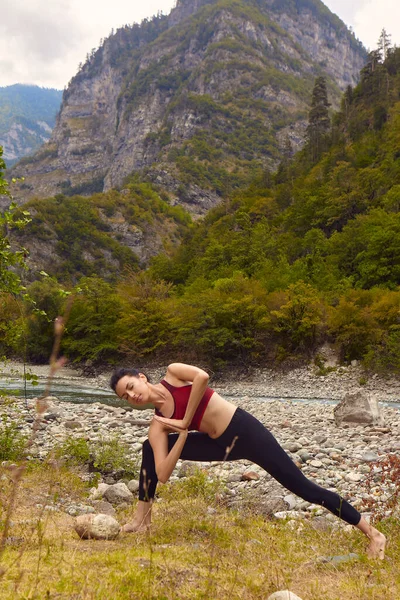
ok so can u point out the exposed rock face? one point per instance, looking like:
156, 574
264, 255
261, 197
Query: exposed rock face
194, 102
23, 138
358, 408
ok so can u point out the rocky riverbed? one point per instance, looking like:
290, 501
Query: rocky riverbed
304, 382
346, 459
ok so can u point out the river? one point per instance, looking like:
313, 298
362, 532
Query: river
80, 394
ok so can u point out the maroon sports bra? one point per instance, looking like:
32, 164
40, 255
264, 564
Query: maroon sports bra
181, 398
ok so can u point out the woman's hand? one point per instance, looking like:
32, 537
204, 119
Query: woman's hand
177, 425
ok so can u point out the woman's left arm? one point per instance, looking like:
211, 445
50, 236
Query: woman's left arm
199, 379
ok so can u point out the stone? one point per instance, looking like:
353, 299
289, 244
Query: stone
336, 560
288, 514
369, 457
284, 595
353, 477
118, 493
320, 438
98, 493
294, 446
305, 456
358, 408
290, 500
105, 508
250, 476
97, 527
79, 509
268, 505
72, 425
133, 486
187, 468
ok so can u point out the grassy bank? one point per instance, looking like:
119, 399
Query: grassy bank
196, 549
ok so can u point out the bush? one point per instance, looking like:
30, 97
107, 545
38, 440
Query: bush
198, 485
76, 450
111, 454
12, 441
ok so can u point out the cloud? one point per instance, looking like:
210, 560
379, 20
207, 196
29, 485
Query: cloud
344, 9
39, 32
36, 38
43, 41
372, 17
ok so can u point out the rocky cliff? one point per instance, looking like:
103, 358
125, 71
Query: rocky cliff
197, 102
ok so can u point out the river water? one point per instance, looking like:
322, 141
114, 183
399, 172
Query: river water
80, 394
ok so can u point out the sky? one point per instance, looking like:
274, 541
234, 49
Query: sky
42, 42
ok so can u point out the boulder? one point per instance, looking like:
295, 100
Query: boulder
358, 408
118, 494
98, 493
104, 508
283, 595
97, 527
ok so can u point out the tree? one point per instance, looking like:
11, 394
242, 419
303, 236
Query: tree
384, 44
318, 120
9, 258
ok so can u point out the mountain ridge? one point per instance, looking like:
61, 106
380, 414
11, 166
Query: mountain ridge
196, 102
27, 117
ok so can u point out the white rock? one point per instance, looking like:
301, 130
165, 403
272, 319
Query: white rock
98, 493
291, 500
358, 408
133, 486
97, 527
284, 595
353, 477
118, 493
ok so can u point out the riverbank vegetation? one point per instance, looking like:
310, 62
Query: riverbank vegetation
307, 255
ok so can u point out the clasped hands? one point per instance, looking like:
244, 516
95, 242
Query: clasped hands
176, 425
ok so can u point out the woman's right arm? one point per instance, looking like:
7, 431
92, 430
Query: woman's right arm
165, 461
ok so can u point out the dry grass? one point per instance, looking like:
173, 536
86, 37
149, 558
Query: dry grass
191, 553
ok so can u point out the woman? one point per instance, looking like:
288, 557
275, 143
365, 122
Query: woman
183, 401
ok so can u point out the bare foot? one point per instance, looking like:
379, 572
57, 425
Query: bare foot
135, 527
376, 548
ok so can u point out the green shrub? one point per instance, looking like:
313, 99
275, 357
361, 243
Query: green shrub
198, 485
12, 440
76, 450
111, 454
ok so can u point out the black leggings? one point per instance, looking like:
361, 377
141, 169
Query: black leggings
253, 442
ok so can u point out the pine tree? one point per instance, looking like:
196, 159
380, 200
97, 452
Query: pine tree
384, 44
318, 120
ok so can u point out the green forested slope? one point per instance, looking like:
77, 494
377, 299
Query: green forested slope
303, 256
29, 101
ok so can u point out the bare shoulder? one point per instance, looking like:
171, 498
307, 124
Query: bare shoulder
155, 431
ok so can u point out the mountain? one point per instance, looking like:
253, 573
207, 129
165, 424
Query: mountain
308, 256
197, 102
27, 117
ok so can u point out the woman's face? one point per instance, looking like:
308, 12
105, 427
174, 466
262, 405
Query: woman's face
134, 390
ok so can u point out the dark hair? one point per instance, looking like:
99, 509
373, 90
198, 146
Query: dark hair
121, 372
